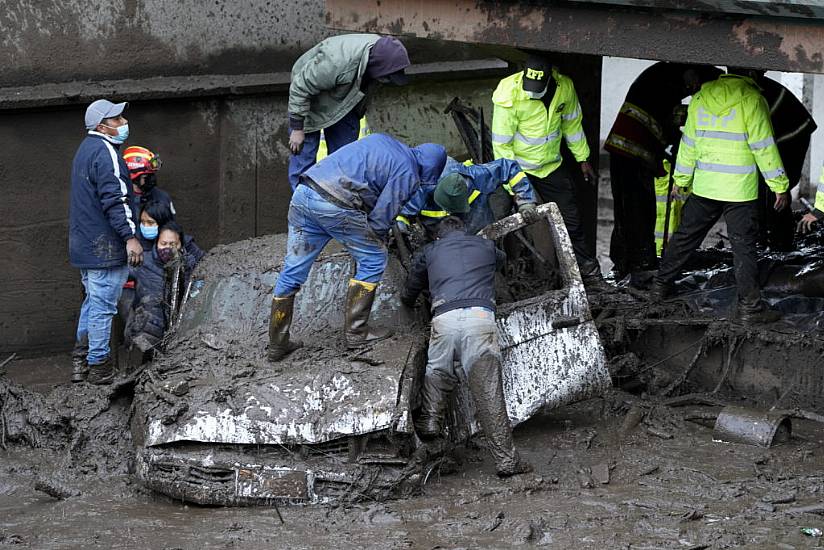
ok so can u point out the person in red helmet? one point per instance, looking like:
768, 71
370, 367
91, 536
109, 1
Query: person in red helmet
143, 166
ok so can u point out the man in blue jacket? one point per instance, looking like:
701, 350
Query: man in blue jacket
481, 181
459, 270
352, 196
102, 233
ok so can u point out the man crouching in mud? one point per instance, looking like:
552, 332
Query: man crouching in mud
460, 271
352, 196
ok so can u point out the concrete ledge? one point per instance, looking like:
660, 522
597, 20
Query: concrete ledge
59, 94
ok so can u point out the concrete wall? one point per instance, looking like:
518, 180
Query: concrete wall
224, 152
224, 163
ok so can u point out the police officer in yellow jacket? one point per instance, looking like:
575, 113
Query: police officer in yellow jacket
533, 110
727, 140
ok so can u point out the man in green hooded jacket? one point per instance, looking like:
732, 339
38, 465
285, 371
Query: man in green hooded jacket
727, 140
330, 89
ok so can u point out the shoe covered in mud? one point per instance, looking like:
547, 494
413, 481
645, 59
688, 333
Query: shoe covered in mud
101, 374
641, 280
762, 315
80, 368
593, 278
520, 466
359, 300
659, 291
280, 320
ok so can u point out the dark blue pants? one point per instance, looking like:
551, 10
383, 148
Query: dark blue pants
337, 135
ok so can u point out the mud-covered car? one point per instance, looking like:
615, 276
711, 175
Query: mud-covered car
215, 423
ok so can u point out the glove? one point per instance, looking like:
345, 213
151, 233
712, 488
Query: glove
530, 212
402, 226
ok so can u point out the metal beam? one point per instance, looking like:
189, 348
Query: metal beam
778, 8
782, 44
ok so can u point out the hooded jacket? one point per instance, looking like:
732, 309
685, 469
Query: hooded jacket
377, 175
100, 214
327, 80
727, 139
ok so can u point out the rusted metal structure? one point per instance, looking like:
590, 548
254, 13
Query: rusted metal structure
785, 35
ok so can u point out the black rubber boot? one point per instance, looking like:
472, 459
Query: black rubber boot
359, 300
280, 319
434, 400
80, 368
659, 291
593, 279
758, 313
101, 374
486, 386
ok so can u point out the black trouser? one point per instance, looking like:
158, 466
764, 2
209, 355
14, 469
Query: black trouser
559, 187
632, 245
698, 217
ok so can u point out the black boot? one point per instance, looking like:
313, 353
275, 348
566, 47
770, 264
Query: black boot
660, 290
80, 368
486, 386
359, 300
592, 277
101, 374
757, 313
280, 319
434, 400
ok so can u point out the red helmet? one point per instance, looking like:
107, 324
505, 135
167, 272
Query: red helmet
140, 161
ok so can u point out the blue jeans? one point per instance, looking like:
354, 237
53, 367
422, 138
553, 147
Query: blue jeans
342, 132
313, 222
103, 288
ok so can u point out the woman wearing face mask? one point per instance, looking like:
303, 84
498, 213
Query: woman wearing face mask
149, 315
153, 216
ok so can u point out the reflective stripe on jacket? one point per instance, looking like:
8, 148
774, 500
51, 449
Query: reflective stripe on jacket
636, 134
323, 150
525, 130
819, 196
661, 192
728, 138
481, 180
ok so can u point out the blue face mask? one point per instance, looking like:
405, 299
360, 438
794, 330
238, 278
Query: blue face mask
149, 231
122, 133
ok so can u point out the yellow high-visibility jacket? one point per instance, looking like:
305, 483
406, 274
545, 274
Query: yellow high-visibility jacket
661, 193
728, 138
323, 149
819, 194
524, 130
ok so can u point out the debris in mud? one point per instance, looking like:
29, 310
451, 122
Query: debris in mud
812, 531
55, 489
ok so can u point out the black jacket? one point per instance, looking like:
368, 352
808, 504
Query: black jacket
460, 272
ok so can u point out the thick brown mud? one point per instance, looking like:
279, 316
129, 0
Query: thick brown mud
613, 472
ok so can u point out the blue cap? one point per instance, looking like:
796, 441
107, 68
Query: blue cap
100, 109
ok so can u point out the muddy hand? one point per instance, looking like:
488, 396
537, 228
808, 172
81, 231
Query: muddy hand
782, 200
806, 223
296, 141
134, 252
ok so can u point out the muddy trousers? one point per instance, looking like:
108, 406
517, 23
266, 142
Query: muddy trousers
103, 288
559, 187
698, 217
313, 222
469, 335
632, 244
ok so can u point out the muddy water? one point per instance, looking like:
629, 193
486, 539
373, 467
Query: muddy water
590, 489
